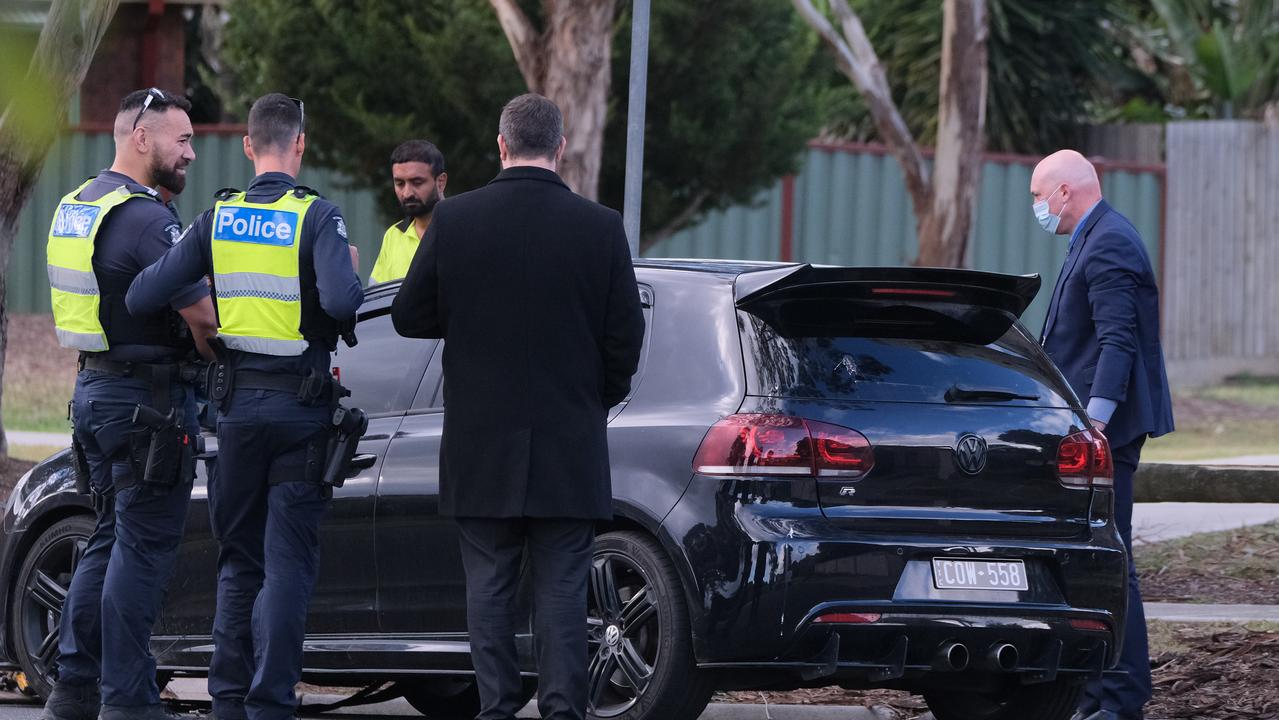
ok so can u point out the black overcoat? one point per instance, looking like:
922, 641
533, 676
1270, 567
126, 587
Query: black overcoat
532, 288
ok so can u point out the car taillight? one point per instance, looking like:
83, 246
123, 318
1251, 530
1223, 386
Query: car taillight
760, 444
1083, 460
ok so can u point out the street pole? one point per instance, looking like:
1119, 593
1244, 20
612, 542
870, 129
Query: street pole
635, 107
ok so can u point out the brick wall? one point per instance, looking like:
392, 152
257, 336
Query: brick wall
122, 64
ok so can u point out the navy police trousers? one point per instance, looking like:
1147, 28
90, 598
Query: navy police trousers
1126, 695
265, 514
118, 585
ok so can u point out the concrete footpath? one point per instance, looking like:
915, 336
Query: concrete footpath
1188, 612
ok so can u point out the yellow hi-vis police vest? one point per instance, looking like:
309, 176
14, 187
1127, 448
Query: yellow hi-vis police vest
399, 245
73, 287
256, 275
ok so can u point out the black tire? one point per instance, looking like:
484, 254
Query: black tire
41, 588
451, 698
1055, 700
641, 643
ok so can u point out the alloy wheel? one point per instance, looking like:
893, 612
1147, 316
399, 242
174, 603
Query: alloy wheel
43, 595
623, 634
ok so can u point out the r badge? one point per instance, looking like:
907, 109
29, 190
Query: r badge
970, 453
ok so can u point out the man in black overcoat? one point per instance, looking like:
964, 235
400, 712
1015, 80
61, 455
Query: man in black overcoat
532, 288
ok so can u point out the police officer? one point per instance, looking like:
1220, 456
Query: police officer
417, 171
283, 279
103, 234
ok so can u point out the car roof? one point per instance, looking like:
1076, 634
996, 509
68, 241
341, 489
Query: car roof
724, 268
705, 265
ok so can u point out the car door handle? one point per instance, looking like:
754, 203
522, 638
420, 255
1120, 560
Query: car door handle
360, 462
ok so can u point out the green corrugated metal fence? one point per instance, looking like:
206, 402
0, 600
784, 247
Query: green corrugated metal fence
219, 163
850, 207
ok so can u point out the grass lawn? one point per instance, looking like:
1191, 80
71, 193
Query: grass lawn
1227, 438
1238, 417
39, 376
32, 453
1246, 389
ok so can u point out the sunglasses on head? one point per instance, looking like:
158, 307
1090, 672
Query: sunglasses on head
152, 94
301, 114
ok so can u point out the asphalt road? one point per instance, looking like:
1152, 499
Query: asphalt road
20, 709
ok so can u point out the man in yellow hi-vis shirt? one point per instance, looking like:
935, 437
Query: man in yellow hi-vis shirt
417, 170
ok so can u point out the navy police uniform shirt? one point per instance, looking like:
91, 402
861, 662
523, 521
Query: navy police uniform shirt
133, 236
324, 246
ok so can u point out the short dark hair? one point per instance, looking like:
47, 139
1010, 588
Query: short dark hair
423, 151
532, 127
160, 101
275, 121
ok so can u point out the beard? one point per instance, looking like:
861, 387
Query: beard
169, 177
414, 207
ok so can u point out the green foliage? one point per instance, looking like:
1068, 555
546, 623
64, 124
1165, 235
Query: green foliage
375, 74
1049, 64
730, 105
26, 100
1211, 57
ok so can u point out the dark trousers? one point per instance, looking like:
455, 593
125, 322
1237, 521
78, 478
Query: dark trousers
559, 555
118, 586
1126, 694
266, 518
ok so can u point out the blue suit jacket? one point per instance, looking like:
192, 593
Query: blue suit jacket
1102, 328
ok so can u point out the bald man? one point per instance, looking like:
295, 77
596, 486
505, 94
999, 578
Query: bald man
1102, 330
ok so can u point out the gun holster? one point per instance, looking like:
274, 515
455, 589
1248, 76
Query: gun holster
162, 453
348, 426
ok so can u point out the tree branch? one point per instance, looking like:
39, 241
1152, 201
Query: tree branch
857, 59
677, 223
524, 40
72, 32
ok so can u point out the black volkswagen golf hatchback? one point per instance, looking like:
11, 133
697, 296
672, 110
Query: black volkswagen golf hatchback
824, 475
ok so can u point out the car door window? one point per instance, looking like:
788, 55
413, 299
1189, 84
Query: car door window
383, 369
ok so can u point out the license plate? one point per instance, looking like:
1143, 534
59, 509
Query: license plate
951, 574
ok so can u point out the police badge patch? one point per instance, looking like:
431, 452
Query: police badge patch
175, 234
341, 226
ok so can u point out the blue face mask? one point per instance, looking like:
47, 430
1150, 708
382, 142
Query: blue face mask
1046, 219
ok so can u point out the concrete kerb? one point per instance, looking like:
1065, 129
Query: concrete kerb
1178, 482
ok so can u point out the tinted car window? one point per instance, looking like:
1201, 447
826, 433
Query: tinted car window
898, 369
383, 369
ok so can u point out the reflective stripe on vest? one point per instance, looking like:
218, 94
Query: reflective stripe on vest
255, 274
73, 288
398, 248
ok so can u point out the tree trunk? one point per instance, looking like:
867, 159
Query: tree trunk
942, 199
31, 122
568, 62
961, 123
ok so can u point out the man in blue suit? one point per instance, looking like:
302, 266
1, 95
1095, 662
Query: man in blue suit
1102, 330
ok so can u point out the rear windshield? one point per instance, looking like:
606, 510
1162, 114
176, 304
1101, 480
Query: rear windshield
1011, 370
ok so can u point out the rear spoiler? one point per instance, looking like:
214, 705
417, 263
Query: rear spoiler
921, 303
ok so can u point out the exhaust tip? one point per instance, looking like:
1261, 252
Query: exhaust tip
1003, 657
952, 657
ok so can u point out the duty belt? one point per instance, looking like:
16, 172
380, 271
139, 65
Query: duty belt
165, 371
315, 388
